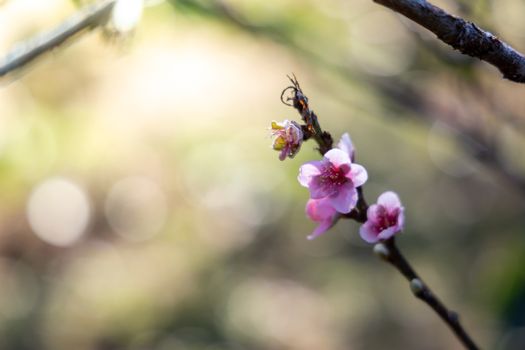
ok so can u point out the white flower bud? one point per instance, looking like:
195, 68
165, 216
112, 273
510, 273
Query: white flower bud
382, 251
417, 286
126, 15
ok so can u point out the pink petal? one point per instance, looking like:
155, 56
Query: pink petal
322, 212
357, 174
319, 230
318, 190
337, 157
319, 209
367, 233
401, 220
374, 213
387, 233
307, 171
346, 145
389, 200
345, 200
283, 153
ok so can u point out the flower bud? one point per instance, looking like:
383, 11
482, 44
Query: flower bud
288, 137
126, 15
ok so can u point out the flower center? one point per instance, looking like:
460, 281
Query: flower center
333, 177
387, 219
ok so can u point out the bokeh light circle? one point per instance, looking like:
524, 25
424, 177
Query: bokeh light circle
136, 208
58, 211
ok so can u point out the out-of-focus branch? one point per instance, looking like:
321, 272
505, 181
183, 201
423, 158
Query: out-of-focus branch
88, 18
389, 252
473, 142
463, 35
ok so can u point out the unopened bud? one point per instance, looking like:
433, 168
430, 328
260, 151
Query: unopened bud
126, 15
382, 251
417, 286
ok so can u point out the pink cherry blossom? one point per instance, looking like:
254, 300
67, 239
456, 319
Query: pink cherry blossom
385, 219
320, 210
288, 138
335, 178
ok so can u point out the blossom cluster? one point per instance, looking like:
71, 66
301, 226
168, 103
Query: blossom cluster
333, 184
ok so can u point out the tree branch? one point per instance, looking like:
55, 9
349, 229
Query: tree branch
463, 35
388, 251
89, 18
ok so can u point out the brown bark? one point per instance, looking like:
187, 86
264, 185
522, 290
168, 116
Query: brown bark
463, 36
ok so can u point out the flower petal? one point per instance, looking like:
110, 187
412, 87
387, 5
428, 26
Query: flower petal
345, 200
283, 153
367, 233
307, 171
319, 209
346, 145
374, 213
318, 190
357, 174
337, 157
401, 219
388, 232
389, 200
322, 228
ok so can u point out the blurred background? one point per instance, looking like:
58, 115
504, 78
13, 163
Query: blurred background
142, 206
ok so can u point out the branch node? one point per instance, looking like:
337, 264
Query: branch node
417, 287
453, 316
382, 251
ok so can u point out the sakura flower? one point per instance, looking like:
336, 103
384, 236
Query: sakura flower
385, 219
320, 210
335, 178
346, 145
288, 138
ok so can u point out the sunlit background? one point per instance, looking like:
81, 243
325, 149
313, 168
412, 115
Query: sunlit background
142, 207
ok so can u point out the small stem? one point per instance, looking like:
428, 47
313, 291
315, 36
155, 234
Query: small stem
390, 252
312, 128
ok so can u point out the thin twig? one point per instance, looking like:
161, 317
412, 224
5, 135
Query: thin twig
389, 252
463, 35
312, 129
88, 18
